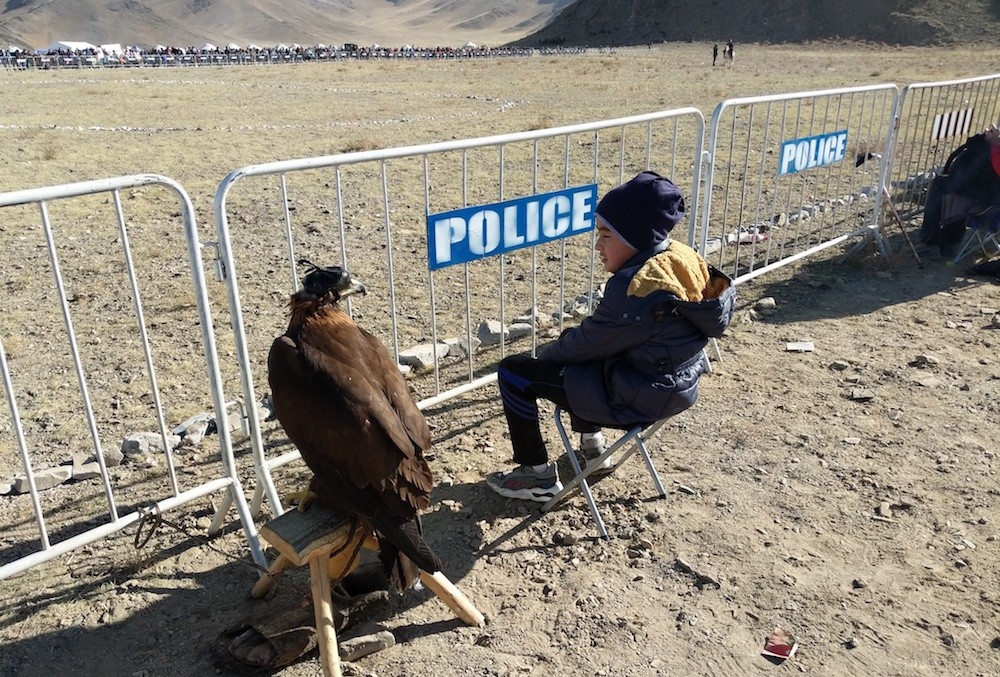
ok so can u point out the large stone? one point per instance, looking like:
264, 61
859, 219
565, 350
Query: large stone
85, 468
423, 356
533, 316
519, 330
195, 433
458, 346
358, 647
492, 333
182, 428
147, 442
44, 479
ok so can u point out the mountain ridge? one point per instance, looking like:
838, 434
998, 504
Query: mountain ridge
38, 23
904, 22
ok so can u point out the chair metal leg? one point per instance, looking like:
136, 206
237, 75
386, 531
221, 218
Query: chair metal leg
632, 441
641, 444
579, 479
976, 238
968, 244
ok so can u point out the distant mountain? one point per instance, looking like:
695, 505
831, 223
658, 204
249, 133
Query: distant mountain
907, 22
39, 23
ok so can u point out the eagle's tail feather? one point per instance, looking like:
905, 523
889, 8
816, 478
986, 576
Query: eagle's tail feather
404, 552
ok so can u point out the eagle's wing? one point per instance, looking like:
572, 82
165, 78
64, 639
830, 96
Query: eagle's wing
397, 393
336, 393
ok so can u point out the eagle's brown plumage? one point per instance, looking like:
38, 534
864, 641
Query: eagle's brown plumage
343, 402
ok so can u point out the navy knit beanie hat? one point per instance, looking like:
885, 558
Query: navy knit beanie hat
643, 211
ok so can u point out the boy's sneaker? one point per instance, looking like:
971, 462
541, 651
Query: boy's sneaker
591, 449
525, 483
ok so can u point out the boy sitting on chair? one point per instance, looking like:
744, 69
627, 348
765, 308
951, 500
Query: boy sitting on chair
638, 358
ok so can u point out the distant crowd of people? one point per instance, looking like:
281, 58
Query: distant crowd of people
161, 55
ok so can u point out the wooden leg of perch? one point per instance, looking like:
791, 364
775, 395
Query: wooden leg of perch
453, 598
329, 654
266, 581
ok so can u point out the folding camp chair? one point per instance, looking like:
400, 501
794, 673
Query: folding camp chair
985, 234
633, 440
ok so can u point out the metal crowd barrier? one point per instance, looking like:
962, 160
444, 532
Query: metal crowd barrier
781, 177
793, 174
99, 341
933, 119
368, 211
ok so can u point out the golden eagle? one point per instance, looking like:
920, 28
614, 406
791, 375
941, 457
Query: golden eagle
343, 402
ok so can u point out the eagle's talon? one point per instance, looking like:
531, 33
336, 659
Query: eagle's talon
301, 499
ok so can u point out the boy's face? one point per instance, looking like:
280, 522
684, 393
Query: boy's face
613, 250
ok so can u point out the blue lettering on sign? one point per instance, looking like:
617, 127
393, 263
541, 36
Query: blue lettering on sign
472, 233
812, 151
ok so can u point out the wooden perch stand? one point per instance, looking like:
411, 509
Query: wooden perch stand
329, 544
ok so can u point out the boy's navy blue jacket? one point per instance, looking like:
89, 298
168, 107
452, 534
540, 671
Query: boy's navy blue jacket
638, 358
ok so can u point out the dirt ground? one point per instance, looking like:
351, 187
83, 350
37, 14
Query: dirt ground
847, 495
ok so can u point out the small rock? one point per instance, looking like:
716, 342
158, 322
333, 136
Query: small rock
800, 347
112, 457
358, 647
839, 365
884, 509
852, 643
924, 361
634, 552
859, 583
860, 395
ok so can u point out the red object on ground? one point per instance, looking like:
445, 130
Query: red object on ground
779, 644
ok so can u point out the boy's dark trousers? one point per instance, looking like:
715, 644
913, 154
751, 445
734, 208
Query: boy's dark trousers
522, 380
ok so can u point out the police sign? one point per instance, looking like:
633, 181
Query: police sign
812, 151
472, 233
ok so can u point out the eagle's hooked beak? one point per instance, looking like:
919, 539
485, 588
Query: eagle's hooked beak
355, 286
